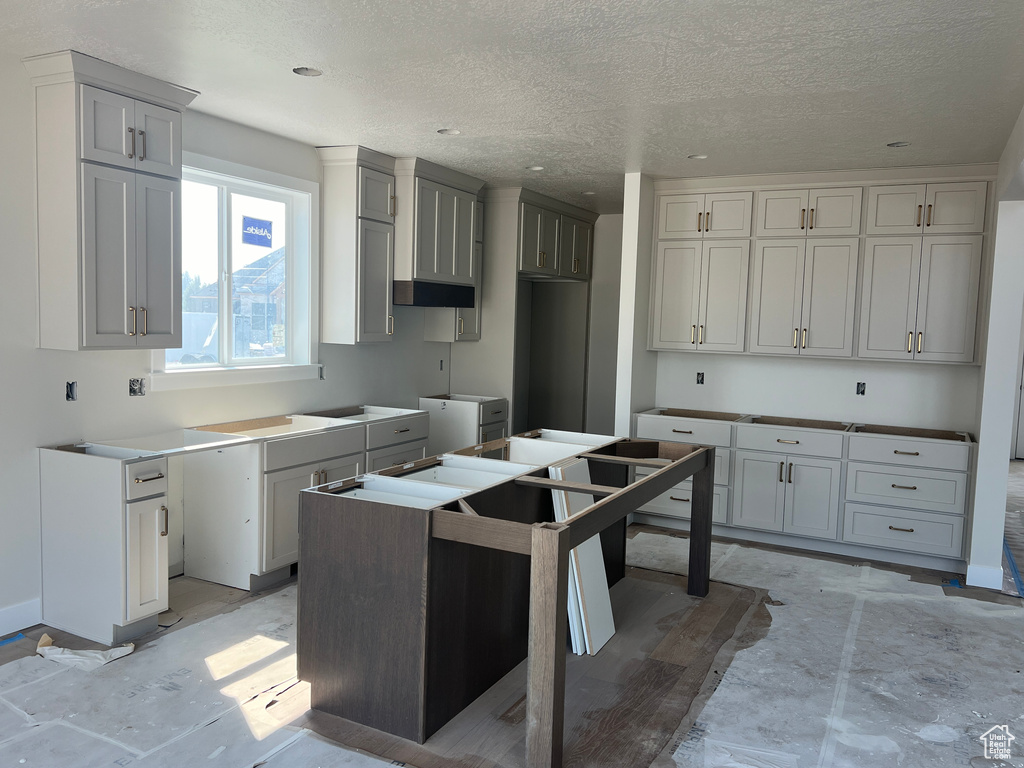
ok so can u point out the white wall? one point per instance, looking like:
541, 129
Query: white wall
34, 412
913, 395
604, 324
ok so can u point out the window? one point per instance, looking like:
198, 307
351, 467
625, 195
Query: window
248, 279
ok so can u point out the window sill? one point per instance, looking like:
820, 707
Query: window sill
163, 381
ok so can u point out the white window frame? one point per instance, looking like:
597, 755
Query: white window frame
303, 229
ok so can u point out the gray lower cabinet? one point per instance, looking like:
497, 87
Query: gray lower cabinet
790, 494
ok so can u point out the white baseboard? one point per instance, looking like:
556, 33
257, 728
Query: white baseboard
984, 576
21, 616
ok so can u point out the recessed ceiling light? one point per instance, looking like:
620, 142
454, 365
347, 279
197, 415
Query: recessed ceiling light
535, 167
590, 193
898, 144
696, 157
307, 71
449, 131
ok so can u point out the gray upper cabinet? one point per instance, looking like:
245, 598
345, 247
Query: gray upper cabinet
700, 296
121, 131
538, 240
799, 212
920, 298
158, 140
715, 215
574, 248
444, 234
803, 297
376, 195
927, 209
376, 268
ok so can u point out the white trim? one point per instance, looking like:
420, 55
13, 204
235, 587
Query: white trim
984, 576
163, 381
19, 616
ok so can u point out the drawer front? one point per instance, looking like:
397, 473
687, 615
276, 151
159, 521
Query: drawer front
490, 432
723, 460
928, 489
391, 432
920, 532
310, 449
145, 478
802, 442
493, 411
693, 431
384, 458
910, 452
677, 502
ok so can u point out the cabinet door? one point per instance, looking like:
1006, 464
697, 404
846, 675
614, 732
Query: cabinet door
427, 212
376, 248
464, 271
722, 319
158, 140
280, 545
896, 210
376, 196
775, 304
830, 294
549, 229
108, 257
108, 127
447, 235
727, 214
956, 207
812, 497
759, 496
574, 249
467, 319
157, 224
490, 432
529, 239
680, 216
888, 305
340, 469
782, 213
834, 212
947, 303
146, 558
676, 295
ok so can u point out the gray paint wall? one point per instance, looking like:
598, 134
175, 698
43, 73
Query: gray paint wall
604, 324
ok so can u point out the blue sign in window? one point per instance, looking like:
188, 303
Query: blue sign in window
257, 232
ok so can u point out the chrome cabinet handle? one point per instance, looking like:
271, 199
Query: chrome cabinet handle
394, 206
575, 266
134, 321
677, 498
788, 442
166, 520
145, 321
803, 212
707, 221
919, 209
928, 223
699, 215
810, 224
790, 478
920, 342
462, 326
905, 487
400, 431
907, 453
391, 325
910, 342
700, 335
683, 431
803, 344
796, 332
905, 530
142, 135
494, 413
693, 334
782, 466
158, 476
131, 132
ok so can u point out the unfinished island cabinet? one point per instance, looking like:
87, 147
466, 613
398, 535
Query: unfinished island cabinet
927, 209
919, 299
358, 266
457, 421
104, 541
803, 297
108, 176
829, 212
699, 291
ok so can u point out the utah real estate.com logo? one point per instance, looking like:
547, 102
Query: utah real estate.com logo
997, 741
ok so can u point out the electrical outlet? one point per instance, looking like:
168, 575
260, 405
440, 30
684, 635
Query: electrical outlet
136, 387
700, 377
861, 388
71, 391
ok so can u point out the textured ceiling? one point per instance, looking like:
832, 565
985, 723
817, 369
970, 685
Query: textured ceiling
590, 89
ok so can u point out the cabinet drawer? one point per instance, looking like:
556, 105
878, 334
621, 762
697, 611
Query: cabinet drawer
145, 478
383, 458
723, 460
920, 532
490, 432
928, 489
803, 442
676, 503
910, 452
395, 431
693, 431
310, 449
492, 411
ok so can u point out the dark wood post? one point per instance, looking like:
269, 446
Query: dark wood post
545, 685
703, 494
